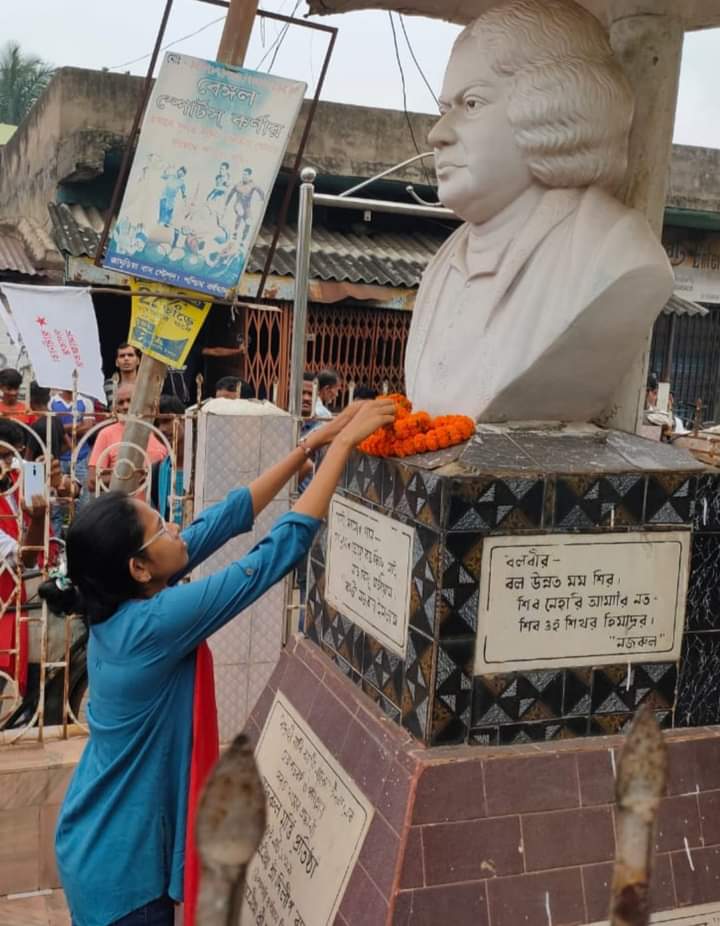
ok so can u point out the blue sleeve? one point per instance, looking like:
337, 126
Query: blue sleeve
216, 525
185, 615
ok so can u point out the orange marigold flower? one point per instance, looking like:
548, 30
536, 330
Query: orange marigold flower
416, 432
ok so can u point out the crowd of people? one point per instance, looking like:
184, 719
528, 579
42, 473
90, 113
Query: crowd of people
84, 436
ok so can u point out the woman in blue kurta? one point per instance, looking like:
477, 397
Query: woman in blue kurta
120, 837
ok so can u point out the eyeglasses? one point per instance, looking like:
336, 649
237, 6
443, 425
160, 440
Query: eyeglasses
156, 536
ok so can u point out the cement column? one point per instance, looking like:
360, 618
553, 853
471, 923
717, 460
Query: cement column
648, 40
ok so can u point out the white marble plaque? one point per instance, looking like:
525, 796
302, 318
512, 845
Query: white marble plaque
707, 915
317, 819
581, 599
369, 571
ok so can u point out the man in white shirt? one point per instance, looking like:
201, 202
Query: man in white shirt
328, 389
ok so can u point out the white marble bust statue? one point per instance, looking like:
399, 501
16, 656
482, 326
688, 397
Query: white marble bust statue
538, 305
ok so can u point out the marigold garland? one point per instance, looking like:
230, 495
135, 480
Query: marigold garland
416, 432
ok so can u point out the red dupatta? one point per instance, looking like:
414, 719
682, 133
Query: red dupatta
205, 752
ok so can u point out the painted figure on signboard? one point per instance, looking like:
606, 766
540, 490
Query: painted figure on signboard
539, 304
174, 184
222, 182
243, 192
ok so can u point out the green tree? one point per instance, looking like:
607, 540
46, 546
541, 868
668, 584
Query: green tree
22, 79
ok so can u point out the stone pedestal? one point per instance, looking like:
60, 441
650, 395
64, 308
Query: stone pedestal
539, 489
462, 756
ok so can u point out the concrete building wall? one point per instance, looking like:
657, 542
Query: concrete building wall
83, 114
695, 179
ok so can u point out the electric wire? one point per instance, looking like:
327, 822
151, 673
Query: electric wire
404, 95
190, 35
276, 45
417, 63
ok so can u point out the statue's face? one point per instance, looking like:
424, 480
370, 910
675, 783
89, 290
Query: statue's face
480, 168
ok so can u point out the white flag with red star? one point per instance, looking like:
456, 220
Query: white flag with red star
58, 327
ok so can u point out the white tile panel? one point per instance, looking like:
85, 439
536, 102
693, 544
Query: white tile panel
260, 673
233, 450
231, 693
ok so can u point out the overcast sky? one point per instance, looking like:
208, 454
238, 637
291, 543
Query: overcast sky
364, 70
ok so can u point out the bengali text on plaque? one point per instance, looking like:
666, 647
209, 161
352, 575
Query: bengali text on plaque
317, 819
369, 571
581, 599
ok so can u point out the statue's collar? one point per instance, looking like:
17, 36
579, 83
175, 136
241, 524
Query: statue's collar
481, 251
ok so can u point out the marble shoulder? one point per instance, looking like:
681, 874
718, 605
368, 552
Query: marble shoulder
620, 234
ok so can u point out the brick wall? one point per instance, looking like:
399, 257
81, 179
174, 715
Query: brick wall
495, 837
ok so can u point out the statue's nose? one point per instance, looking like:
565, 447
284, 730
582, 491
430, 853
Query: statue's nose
442, 133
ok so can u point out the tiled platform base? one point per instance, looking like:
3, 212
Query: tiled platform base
489, 836
38, 910
33, 780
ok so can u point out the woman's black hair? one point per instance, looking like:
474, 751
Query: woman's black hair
100, 543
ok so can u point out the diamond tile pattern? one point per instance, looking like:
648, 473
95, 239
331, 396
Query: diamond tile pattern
494, 504
432, 691
587, 502
670, 499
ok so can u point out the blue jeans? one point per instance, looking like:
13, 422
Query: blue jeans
157, 913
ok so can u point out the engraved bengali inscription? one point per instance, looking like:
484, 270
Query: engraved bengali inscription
317, 820
581, 599
369, 571
705, 915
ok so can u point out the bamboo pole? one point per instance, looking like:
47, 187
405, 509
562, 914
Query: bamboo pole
641, 780
152, 373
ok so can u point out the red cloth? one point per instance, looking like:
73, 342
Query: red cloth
15, 667
205, 752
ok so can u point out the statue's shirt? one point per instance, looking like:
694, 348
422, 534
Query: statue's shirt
464, 312
539, 314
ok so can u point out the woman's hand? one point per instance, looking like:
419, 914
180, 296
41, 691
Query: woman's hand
368, 418
372, 414
326, 433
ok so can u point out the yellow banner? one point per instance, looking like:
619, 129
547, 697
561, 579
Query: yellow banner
165, 328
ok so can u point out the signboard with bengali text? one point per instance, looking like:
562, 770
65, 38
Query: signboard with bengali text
317, 820
369, 571
211, 145
581, 599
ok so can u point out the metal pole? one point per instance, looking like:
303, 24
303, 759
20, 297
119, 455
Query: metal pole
384, 206
302, 277
666, 375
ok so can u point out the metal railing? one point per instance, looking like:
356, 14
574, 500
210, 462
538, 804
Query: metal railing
43, 678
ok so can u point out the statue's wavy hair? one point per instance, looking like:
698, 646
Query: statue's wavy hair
570, 105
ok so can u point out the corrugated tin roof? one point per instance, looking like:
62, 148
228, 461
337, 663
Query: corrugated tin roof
385, 259
76, 228
679, 306
13, 256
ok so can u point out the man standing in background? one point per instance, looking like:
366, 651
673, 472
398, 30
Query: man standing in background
328, 389
127, 363
10, 404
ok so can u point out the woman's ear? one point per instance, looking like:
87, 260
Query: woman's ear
139, 570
